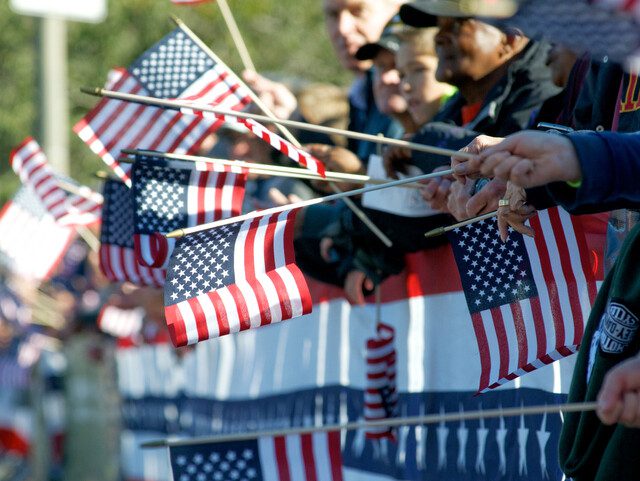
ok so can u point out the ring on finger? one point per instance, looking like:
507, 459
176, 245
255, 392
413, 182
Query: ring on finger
503, 202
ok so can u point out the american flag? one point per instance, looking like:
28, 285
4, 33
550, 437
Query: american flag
117, 255
30, 163
303, 457
380, 396
32, 243
175, 67
281, 145
119, 322
171, 194
235, 277
528, 297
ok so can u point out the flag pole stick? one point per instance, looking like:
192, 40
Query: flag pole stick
390, 422
241, 47
305, 203
268, 169
443, 230
81, 191
282, 128
176, 105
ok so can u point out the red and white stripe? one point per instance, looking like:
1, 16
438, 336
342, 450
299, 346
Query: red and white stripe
120, 323
281, 145
517, 338
119, 264
380, 396
30, 164
214, 192
304, 457
34, 245
114, 125
269, 286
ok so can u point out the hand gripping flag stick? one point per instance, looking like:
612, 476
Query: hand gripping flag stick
404, 421
443, 230
305, 203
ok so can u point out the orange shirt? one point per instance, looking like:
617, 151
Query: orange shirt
469, 112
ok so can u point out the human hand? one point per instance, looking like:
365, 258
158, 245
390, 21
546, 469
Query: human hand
619, 397
528, 159
436, 191
354, 284
486, 199
275, 95
395, 160
336, 159
516, 213
471, 169
459, 196
278, 198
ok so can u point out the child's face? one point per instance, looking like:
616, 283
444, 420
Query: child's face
418, 83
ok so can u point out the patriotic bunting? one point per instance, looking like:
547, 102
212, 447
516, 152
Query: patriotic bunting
236, 277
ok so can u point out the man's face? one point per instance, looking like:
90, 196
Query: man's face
467, 49
352, 23
386, 84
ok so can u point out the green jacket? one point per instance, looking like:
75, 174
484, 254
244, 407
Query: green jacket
589, 450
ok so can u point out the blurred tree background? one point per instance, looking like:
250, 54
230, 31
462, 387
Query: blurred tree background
286, 38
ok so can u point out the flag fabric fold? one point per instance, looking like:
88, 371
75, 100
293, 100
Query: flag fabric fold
380, 395
528, 297
300, 457
169, 195
232, 278
119, 322
30, 163
175, 67
117, 256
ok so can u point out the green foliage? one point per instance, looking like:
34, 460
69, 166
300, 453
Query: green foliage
284, 37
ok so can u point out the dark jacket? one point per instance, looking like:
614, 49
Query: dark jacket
507, 108
610, 164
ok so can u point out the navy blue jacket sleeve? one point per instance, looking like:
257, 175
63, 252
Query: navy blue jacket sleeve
610, 164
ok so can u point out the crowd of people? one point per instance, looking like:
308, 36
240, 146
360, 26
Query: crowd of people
443, 72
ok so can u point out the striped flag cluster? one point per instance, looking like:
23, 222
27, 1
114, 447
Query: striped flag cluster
303, 457
30, 164
232, 278
117, 255
276, 141
173, 194
24, 223
381, 396
529, 297
175, 67
119, 322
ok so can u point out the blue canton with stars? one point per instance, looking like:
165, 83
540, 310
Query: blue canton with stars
229, 461
160, 196
171, 65
493, 273
201, 262
117, 215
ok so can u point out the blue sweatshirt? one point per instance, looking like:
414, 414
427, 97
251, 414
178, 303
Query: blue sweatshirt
610, 164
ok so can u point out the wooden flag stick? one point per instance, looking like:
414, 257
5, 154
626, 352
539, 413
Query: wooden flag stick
80, 190
241, 47
268, 169
443, 230
177, 105
390, 422
305, 203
